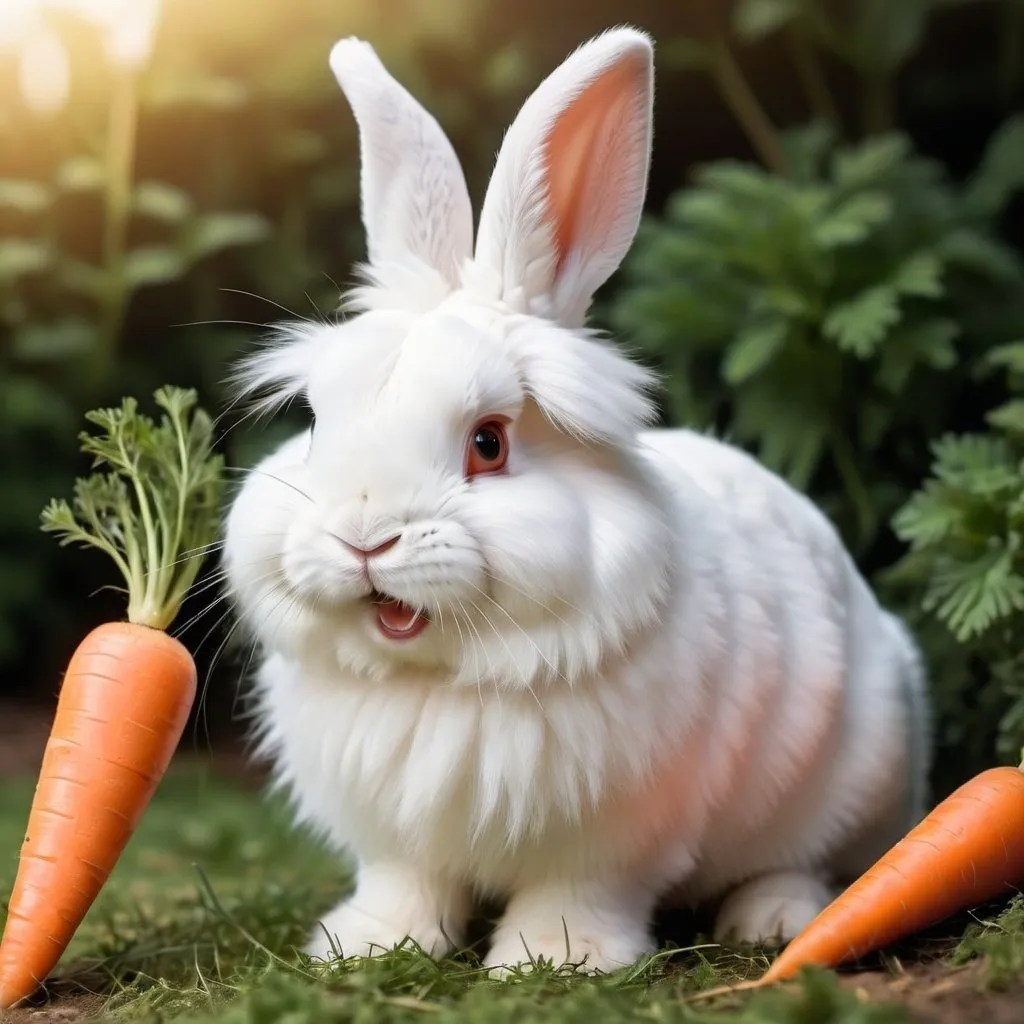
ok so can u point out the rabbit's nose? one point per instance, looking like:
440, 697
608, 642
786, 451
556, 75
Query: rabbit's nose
378, 549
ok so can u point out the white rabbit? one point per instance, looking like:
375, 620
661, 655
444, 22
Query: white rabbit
513, 642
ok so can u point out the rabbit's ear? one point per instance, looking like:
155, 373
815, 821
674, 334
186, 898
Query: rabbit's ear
414, 197
568, 187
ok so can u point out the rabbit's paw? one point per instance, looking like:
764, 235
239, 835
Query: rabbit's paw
771, 909
390, 908
590, 936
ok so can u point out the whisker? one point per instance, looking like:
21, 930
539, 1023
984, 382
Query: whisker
512, 658
506, 582
480, 648
263, 298
533, 643
221, 323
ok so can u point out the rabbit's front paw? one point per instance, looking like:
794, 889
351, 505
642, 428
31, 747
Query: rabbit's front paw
771, 909
591, 930
592, 953
392, 905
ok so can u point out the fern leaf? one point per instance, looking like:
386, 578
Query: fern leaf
970, 597
754, 348
920, 275
927, 518
1009, 416
870, 161
978, 464
860, 325
852, 221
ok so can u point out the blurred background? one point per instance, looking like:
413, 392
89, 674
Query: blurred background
830, 273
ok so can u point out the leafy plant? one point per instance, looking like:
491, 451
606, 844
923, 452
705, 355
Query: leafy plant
156, 510
965, 528
820, 315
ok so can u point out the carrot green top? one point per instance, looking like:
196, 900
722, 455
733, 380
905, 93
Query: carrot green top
156, 512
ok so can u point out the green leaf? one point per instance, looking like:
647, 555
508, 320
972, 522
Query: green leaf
705, 210
927, 342
976, 253
972, 596
81, 174
885, 34
155, 508
860, 325
1000, 172
927, 518
21, 256
1009, 416
872, 160
852, 220
742, 181
1011, 356
755, 19
806, 148
978, 464
213, 232
753, 349
921, 275
161, 201
24, 196
153, 265
62, 340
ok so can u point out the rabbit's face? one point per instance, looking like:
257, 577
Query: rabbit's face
469, 497
428, 498
436, 501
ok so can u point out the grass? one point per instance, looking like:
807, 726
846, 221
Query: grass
999, 941
202, 916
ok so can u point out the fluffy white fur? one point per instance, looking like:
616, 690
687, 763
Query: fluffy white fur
652, 670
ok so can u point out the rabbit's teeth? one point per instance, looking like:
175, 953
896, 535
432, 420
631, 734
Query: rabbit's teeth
397, 620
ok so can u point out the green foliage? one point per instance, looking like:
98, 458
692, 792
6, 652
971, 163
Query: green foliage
965, 530
828, 318
156, 512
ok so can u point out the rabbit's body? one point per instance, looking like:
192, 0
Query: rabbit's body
644, 665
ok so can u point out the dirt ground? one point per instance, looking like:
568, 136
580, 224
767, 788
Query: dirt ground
938, 994
933, 993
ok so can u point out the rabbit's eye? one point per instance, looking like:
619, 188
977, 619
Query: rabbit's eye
488, 448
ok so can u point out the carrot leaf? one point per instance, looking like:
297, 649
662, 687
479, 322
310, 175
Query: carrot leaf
155, 508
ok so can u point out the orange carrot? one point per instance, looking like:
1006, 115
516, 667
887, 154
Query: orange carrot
968, 850
129, 686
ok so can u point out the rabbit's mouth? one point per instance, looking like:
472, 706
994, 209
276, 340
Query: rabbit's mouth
395, 619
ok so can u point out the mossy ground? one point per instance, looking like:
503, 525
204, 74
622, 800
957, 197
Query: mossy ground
202, 916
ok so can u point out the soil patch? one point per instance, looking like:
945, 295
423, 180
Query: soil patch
940, 994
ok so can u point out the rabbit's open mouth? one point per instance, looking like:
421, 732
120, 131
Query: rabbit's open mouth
397, 620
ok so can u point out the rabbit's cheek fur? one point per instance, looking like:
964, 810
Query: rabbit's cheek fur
535, 535
317, 568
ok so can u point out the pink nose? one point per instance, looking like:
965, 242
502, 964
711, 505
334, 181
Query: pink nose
371, 552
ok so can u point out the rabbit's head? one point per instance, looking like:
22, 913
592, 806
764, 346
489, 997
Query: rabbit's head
469, 498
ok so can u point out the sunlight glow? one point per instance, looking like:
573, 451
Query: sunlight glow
128, 26
44, 73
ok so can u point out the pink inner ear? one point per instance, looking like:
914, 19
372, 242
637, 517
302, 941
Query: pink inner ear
581, 136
